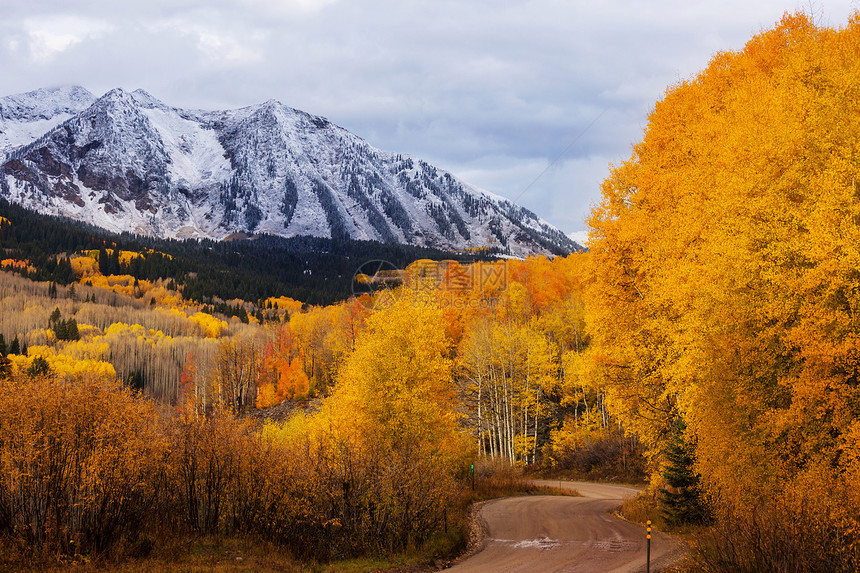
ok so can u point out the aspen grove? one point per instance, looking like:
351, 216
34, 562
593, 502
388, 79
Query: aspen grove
709, 337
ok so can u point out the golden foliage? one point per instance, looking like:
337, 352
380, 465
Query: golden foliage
725, 256
324, 337
397, 384
211, 326
85, 267
284, 303
386, 443
78, 455
281, 373
65, 367
15, 264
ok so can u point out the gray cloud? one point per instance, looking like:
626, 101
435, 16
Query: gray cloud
491, 90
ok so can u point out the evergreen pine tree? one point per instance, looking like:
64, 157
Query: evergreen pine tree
136, 380
63, 273
72, 330
39, 367
15, 346
60, 330
681, 500
2, 346
104, 262
115, 265
242, 314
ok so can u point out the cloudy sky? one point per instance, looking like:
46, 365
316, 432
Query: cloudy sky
529, 99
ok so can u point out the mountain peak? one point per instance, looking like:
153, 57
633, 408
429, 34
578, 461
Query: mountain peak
57, 94
117, 94
145, 99
45, 103
26, 116
128, 162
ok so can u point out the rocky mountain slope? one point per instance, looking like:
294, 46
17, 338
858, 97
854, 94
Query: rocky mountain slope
128, 162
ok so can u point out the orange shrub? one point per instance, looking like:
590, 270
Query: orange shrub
77, 462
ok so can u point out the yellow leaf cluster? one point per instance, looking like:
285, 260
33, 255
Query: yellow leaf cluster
397, 387
284, 303
211, 326
87, 330
120, 283
725, 256
85, 267
63, 366
120, 328
84, 350
125, 257
164, 297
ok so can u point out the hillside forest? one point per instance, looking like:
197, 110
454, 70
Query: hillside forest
707, 343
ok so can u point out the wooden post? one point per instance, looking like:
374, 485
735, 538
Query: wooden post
648, 550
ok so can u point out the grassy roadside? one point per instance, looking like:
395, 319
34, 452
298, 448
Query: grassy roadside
781, 534
214, 554
645, 507
221, 554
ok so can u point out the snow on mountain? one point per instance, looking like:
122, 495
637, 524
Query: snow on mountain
25, 117
579, 237
128, 162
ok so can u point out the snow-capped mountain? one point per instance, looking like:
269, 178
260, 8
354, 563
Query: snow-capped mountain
25, 117
128, 162
579, 237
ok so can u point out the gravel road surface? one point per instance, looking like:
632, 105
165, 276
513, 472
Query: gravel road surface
545, 534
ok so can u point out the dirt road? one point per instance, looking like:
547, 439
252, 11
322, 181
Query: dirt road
544, 534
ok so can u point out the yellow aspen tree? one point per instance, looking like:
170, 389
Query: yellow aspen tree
724, 283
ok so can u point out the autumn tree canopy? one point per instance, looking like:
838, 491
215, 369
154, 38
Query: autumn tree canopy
727, 263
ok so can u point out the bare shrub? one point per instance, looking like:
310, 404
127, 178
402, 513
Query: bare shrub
78, 462
601, 455
788, 534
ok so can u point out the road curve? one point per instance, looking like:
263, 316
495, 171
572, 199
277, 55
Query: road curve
545, 534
